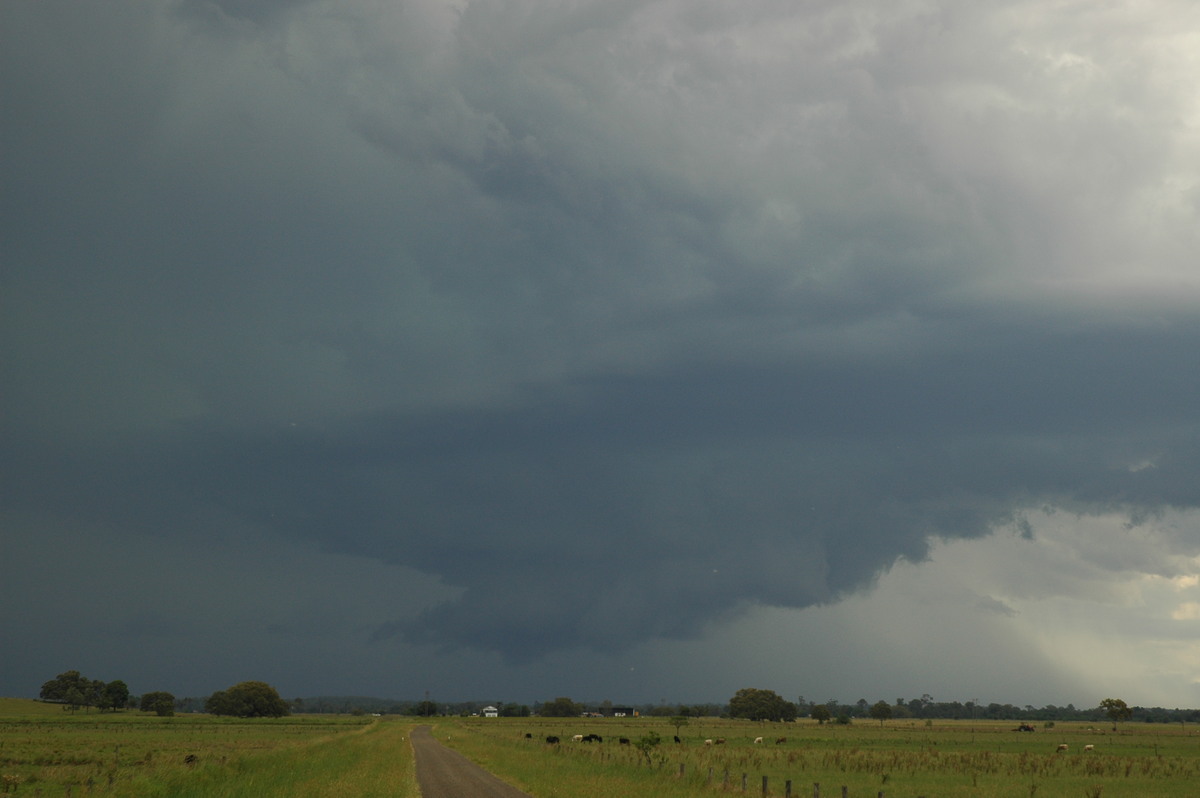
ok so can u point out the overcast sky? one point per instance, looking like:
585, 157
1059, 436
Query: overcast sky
630, 349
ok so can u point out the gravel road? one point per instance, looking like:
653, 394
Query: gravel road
445, 773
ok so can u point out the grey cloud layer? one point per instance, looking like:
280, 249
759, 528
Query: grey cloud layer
702, 307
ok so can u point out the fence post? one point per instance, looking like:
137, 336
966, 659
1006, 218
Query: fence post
710, 774
764, 792
725, 782
744, 782
681, 769
817, 790
787, 789
845, 791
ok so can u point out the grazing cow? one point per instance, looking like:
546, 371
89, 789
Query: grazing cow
1025, 727
624, 741
552, 740
593, 738
528, 736
780, 740
708, 742
578, 738
1062, 747
757, 740
1089, 748
720, 741
677, 739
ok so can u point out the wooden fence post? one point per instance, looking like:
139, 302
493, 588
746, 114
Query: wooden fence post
681, 769
764, 790
744, 782
787, 789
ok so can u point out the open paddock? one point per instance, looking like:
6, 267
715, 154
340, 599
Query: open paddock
46, 751
901, 758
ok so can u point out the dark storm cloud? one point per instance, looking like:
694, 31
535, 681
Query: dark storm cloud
618, 318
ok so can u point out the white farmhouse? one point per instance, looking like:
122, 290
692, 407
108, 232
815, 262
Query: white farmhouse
491, 712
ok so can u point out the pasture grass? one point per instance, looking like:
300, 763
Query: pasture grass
126, 754
902, 759
45, 751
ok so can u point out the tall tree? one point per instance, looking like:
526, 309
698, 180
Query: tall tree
561, 707
116, 695
247, 700
160, 703
881, 711
756, 704
56, 689
1116, 709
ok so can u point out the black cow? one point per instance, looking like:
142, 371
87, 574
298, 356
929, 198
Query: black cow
552, 740
677, 739
624, 741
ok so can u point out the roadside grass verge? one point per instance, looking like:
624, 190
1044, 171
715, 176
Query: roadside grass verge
375, 760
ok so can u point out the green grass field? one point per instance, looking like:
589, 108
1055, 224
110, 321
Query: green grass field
46, 751
902, 759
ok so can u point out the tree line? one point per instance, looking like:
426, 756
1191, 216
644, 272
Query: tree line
74, 691
259, 699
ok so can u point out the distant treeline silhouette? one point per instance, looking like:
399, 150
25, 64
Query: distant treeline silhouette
916, 708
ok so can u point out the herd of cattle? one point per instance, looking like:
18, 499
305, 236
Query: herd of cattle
589, 738
596, 738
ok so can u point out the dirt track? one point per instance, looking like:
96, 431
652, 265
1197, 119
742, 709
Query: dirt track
445, 773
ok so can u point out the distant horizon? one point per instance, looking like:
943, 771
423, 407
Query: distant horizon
589, 704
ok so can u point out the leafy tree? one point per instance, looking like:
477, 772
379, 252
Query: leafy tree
74, 698
247, 700
755, 704
679, 721
425, 709
513, 711
57, 688
820, 713
1116, 709
561, 707
115, 696
881, 711
159, 702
